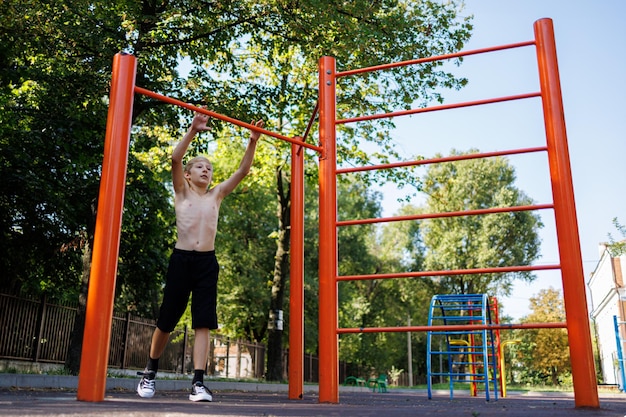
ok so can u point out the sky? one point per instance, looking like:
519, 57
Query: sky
590, 42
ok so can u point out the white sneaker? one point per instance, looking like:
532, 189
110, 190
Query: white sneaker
146, 389
200, 393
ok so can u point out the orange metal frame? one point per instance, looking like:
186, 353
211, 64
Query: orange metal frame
95, 352
577, 323
92, 384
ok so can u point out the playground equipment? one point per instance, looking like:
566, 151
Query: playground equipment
471, 356
621, 342
95, 352
577, 322
92, 383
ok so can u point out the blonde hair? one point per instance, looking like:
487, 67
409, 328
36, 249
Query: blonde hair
195, 159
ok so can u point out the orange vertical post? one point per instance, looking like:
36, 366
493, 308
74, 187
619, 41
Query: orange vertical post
328, 341
296, 279
97, 335
578, 330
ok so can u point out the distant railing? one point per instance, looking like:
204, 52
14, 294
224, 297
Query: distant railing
39, 331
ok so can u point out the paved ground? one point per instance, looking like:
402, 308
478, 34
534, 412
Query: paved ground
123, 402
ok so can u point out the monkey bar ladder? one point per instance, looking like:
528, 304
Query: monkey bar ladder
577, 321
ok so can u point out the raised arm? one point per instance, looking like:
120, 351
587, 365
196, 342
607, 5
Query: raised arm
231, 183
198, 124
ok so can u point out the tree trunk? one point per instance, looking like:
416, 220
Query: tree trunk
554, 374
281, 271
72, 360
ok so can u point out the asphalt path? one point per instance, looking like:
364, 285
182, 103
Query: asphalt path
24, 402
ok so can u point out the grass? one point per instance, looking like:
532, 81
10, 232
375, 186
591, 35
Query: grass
513, 387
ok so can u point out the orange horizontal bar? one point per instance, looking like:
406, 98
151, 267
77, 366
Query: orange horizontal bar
179, 103
443, 159
446, 214
472, 271
437, 108
453, 328
434, 58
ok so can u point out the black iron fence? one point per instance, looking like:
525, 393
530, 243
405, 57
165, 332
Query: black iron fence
37, 330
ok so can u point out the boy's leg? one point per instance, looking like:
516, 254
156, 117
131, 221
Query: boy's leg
204, 318
201, 349
146, 386
159, 342
175, 298
200, 355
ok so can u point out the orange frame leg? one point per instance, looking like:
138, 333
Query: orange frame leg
296, 279
578, 329
328, 338
97, 335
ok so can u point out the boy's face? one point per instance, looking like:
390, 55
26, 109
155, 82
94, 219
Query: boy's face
200, 172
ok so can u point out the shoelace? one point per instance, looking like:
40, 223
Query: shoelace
145, 381
147, 384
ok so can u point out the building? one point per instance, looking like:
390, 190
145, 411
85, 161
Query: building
608, 300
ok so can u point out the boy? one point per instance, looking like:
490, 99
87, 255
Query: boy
193, 267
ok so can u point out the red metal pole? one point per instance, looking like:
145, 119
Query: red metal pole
578, 330
452, 328
437, 108
328, 339
296, 280
97, 336
433, 58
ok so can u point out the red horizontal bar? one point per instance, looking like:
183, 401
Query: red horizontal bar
453, 328
179, 103
437, 108
443, 159
433, 58
473, 271
491, 210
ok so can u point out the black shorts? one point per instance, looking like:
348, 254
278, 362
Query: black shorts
194, 273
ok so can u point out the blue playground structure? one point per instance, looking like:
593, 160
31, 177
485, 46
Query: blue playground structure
464, 355
620, 354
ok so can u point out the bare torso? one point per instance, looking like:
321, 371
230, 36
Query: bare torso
196, 220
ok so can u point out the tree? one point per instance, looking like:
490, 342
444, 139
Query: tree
545, 352
466, 242
394, 247
617, 248
48, 152
246, 59
357, 34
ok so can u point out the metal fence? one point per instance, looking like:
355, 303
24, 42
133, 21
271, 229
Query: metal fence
39, 331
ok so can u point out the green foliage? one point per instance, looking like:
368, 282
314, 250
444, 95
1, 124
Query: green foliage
382, 302
245, 59
52, 83
246, 252
466, 242
544, 353
49, 152
617, 248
